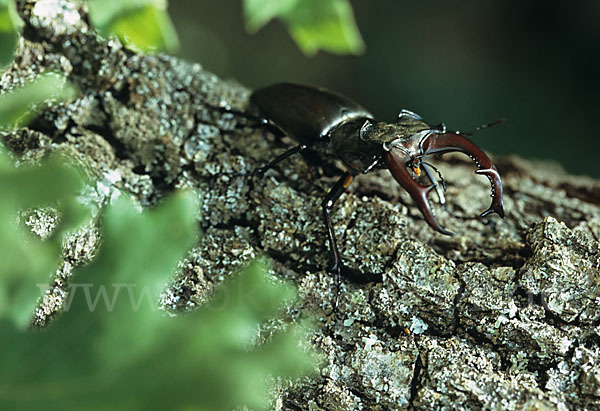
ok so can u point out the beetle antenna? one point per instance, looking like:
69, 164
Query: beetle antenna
481, 127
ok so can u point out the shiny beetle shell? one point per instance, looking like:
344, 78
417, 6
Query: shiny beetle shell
305, 113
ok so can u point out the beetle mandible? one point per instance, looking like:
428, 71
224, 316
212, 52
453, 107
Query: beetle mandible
327, 122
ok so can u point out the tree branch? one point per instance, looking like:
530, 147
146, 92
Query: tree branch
502, 314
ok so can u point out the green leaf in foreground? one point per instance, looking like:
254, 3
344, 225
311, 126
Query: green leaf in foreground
142, 25
112, 349
313, 24
8, 32
18, 105
26, 260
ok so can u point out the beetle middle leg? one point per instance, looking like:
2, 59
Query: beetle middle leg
338, 266
336, 191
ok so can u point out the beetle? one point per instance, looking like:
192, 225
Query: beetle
324, 121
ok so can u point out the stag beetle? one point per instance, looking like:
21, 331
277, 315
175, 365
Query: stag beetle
329, 123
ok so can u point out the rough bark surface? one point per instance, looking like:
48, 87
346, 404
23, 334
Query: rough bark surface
501, 315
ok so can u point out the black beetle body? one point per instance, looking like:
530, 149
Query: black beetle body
306, 113
326, 122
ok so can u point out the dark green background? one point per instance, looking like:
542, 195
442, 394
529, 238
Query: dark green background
461, 62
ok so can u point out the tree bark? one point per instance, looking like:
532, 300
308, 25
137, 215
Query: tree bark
504, 314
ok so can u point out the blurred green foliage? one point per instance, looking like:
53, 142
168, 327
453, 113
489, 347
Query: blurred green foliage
26, 260
313, 24
142, 25
112, 348
18, 105
8, 31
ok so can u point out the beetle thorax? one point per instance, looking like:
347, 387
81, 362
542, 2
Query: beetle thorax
387, 132
406, 125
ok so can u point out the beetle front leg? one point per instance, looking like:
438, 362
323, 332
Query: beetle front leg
338, 266
438, 189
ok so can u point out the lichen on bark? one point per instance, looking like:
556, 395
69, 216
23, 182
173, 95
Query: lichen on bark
504, 314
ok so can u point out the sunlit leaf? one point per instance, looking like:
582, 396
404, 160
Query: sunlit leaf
147, 29
8, 32
142, 25
102, 12
17, 106
260, 12
314, 24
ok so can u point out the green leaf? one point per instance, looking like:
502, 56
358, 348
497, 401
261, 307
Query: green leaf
19, 105
8, 32
112, 349
142, 25
26, 260
260, 12
139, 252
147, 29
102, 12
313, 24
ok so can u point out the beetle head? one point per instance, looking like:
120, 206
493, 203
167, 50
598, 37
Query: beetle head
407, 152
406, 126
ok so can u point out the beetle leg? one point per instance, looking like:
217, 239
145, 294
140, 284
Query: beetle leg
447, 142
261, 170
336, 191
371, 166
438, 189
396, 163
338, 266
